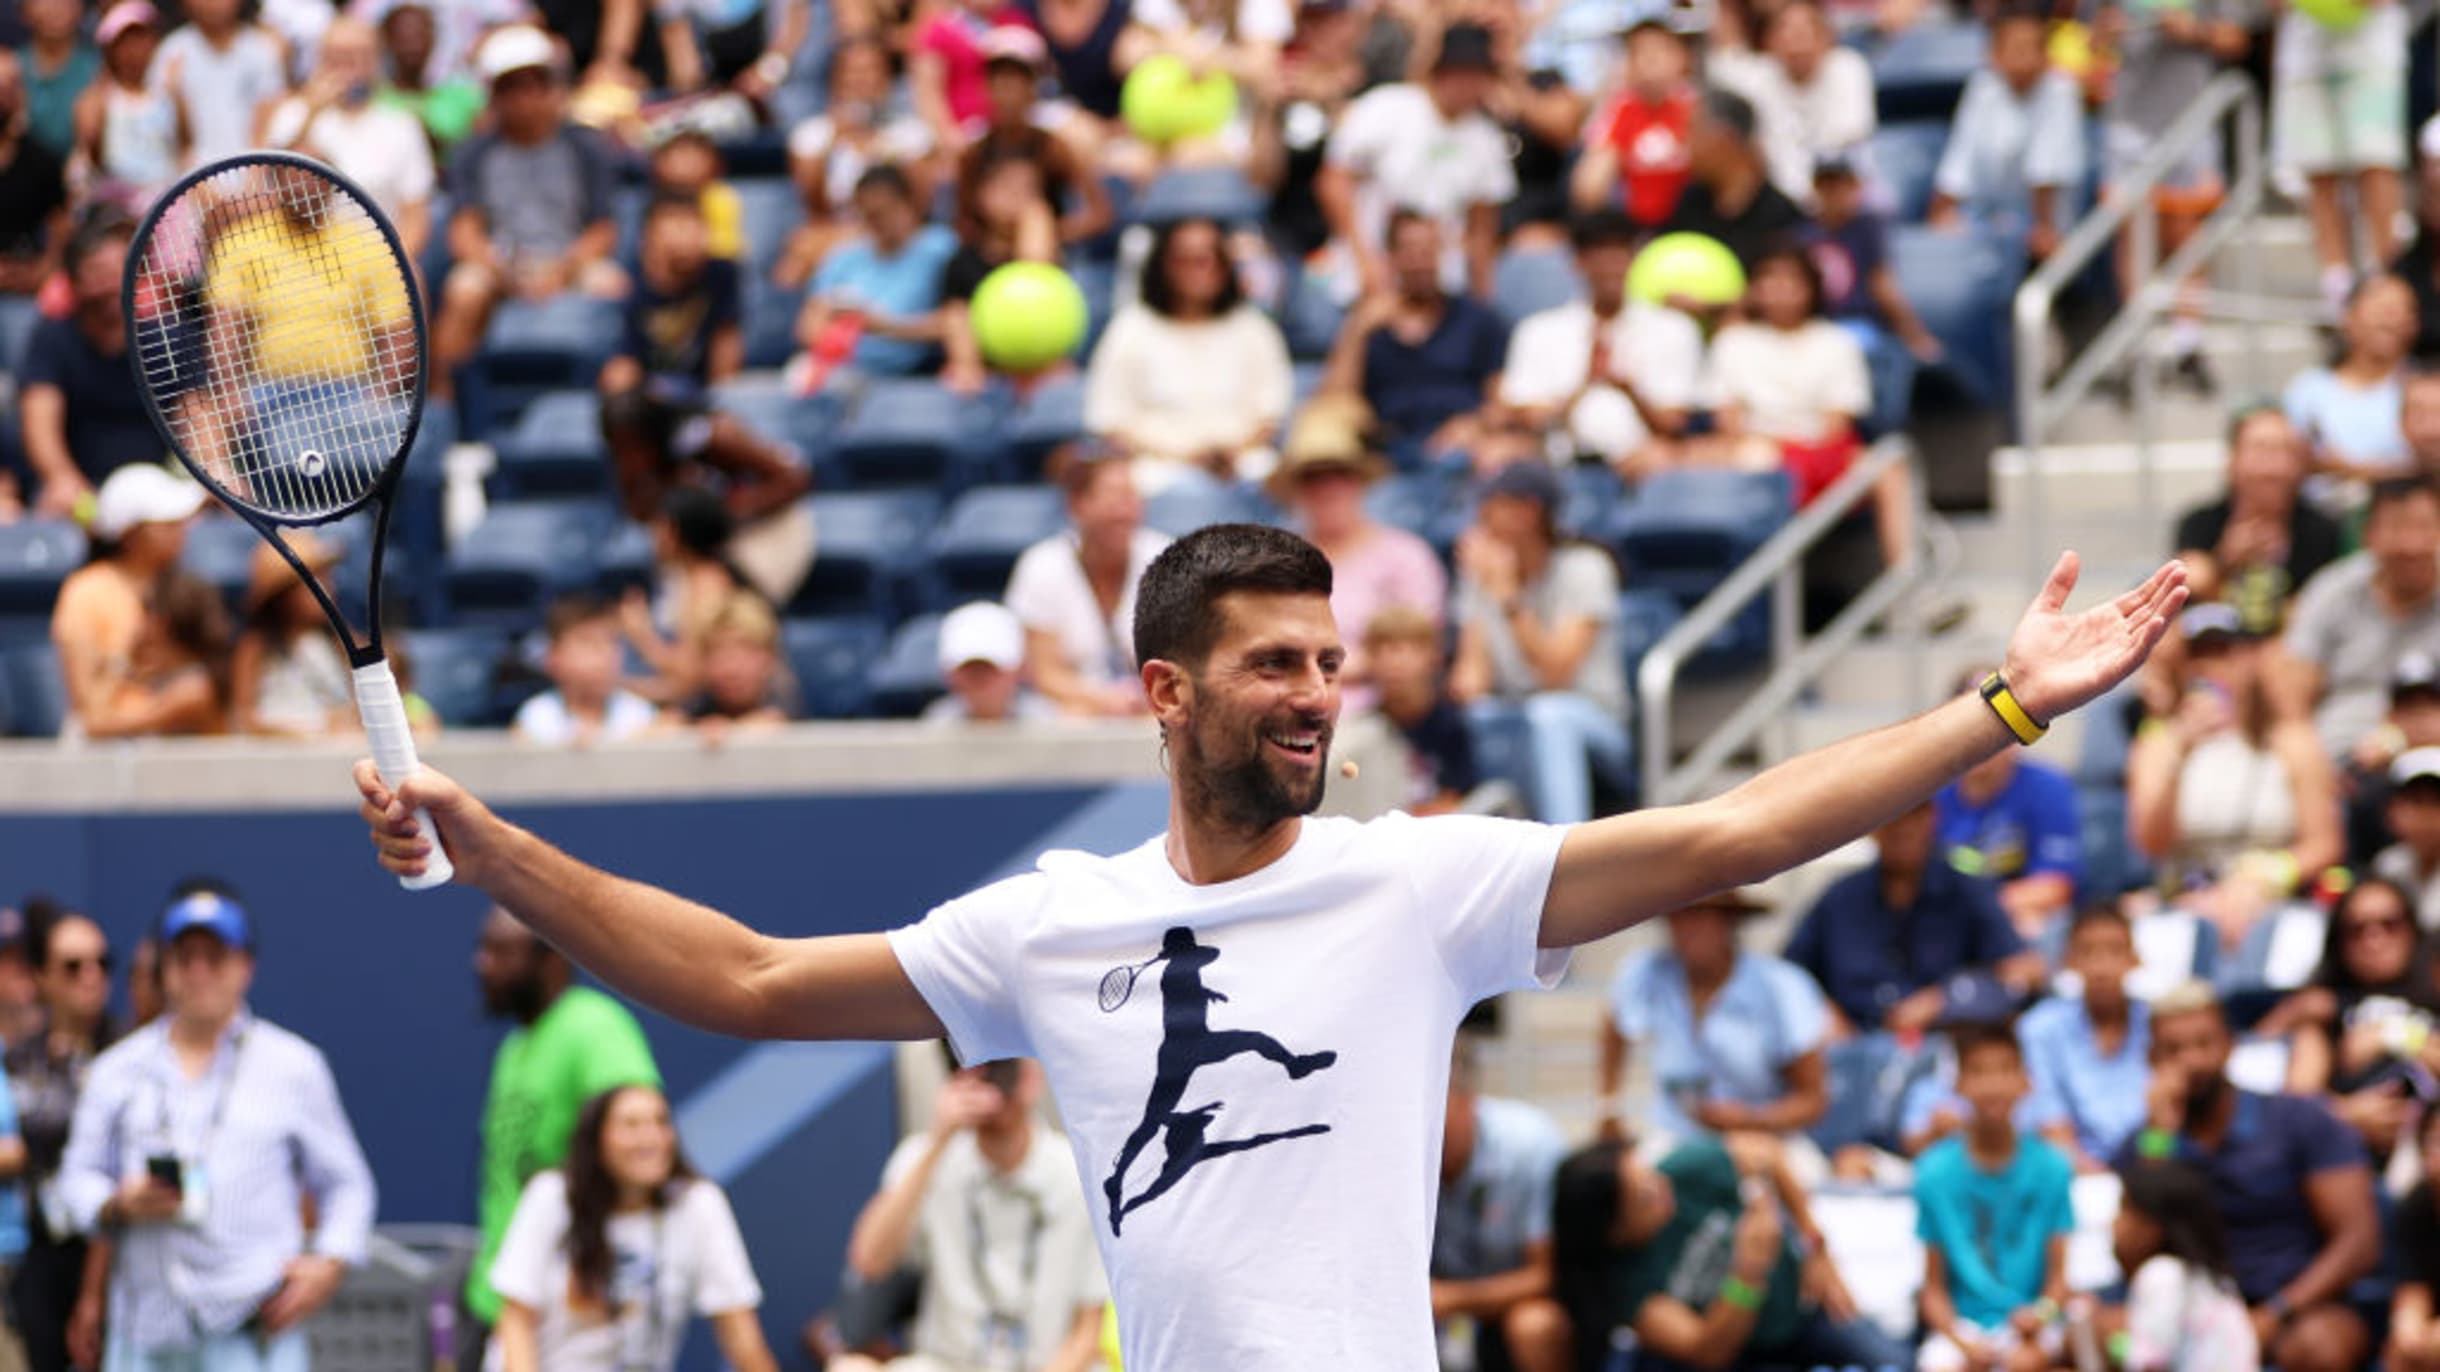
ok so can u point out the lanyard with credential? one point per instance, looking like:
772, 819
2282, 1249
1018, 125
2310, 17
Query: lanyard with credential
1005, 1318
168, 1083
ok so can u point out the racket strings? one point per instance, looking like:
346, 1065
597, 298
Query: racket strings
274, 327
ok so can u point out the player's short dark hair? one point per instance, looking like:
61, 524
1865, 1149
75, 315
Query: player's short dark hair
2397, 490
1174, 619
1969, 1039
1604, 228
1730, 111
2101, 912
887, 178
573, 611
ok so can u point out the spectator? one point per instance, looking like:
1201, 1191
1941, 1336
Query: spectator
567, 1045
683, 330
986, 1192
2236, 805
586, 705
1709, 1253
221, 1275
2288, 1177
1543, 117
131, 135
2016, 148
874, 307
1815, 97
1994, 1212
1850, 246
33, 191
1431, 150
1091, 44
2412, 863
2338, 116
531, 197
1491, 1259
1602, 376
982, 661
56, 65
82, 414
744, 51
1320, 74
609, 1253
1322, 479
2087, 1054
2413, 722
1894, 945
2183, 1311
290, 679
1537, 631
2414, 1338
742, 688
1011, 220
1735, 1036
98, 622
2013, 821
2419, 418
2361, 615
2351, 412
1194, 377
1638, 150
1427, 362
2361, 1030
945, 70
686, 162
381, 148
1012, 68
830, 151
667, 448
1408, 676
2256, 545
431, 75
1728, 195
224, 71
46, 1073
695, 581
1075, 592
178, 680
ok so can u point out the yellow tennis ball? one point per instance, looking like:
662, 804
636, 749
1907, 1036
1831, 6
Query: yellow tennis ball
1163, 101
1027, 316
84, 508
1109, 1337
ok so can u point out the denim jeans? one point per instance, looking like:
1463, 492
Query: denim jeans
1571, 736
1820, 1343
238, 1352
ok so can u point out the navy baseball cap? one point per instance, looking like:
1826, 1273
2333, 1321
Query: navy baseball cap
1527, 479
216, 915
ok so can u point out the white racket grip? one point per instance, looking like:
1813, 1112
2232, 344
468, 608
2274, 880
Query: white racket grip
384, 714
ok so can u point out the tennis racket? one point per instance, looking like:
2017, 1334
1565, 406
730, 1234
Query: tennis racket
1119, 983
275, 329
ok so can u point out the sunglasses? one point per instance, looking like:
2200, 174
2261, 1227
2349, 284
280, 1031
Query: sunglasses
77, 967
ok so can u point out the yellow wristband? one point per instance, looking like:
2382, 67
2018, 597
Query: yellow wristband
2003, 702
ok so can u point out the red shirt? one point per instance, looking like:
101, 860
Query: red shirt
1650, 140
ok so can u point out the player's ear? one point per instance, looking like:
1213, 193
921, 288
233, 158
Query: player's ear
1170, 690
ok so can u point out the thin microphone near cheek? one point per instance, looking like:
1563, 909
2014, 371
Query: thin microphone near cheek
1348, 769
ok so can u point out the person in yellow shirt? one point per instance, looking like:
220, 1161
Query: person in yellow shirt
689, 163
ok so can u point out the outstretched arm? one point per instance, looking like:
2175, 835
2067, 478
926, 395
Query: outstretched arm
686, 960
1621, 871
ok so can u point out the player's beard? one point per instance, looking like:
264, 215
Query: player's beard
1226, 776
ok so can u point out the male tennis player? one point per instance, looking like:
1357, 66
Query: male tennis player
1358, 946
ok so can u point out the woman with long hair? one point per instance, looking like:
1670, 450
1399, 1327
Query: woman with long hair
608, 1257
2361, 1031
291, 679
178, 680
46, 1073
2183, 1313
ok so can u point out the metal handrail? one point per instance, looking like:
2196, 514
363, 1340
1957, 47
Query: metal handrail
1776, 567
2041, 407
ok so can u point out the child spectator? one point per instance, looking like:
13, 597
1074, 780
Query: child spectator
2183, 1313
58, 64
585, 705
1994, 1213
2351, 412
662, 438
1602, 375
742, 685
2013, 821
2088, 1055
695, 580
33, 193
1850, 242
1637, 149
875, 305
223, 70
685, 162
383, 149
2413, 861
2338, 116
1491, 1261
945, 70
1011, 220
2016, 149
177, 683
131, 136
829, 152
1013, 61
982, 658
1409, 677
681, 329
290, 679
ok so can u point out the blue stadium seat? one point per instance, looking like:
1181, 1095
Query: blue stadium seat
40, 697
1891, 369
1960, 282
220, 550
907, 678
982, 536
35, 556
771, 210
1920, 71
1188, 505
562, 341
8, 703
1218, 193
770, 323
1098, 279
1048, 414
868, 544
1644, 615
1307, 378
1903, 157
833, 661
915, 432
1412, 502
555, 449
768, 407
1532, 281
456, 669
505, 572
1689, 528
625, 560
1591, 497
1309, 318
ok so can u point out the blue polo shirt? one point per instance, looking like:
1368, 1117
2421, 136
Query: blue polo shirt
1869, 957
2274, 1145
900, 285
2100, 1097
2028, 829
1993, 1228
12, 1198
1501, 1203
1765, 1016
1417, 387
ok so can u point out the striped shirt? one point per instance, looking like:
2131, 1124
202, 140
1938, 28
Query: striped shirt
265, 1123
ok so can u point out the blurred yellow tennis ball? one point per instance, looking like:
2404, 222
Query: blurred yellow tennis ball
1686, 265
1027, 316
1109, 1337
84, 508
2341, 15
1164, 102
2071, 48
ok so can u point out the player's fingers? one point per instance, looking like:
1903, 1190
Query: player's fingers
369, 783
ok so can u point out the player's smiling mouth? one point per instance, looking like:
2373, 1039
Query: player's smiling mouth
1298, 745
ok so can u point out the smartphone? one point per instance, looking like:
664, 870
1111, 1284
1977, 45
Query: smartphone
165, 1169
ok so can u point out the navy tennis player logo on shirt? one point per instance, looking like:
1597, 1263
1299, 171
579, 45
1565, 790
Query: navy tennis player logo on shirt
1189, 1042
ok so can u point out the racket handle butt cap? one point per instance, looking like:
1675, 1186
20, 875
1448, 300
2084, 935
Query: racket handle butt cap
384, 714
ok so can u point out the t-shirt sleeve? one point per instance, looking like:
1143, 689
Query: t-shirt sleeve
1672, 377
2320, 610
521, 1271
463, 175
1804, 1016
1954, 177
1032, 596
2322, 1143
44, 360
958, 958
2054, 156
727, 294
2045, 1103
600, 177
1482, 883
725, 1280
1586, 585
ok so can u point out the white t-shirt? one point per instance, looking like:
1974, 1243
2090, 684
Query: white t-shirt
1835, 112
900, 139
545, 720
1048, 590
1405, 155
1178, 390
221, 89
1258, 21
1658, 349
1275, 1194
689, 1256
1007, 1260
379, 148
1789, 384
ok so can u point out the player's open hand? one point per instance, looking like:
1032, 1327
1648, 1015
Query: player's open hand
2058, 661
458, 816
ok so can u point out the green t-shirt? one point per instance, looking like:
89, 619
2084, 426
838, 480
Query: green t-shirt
1690, 1257
448, 110
541, 1078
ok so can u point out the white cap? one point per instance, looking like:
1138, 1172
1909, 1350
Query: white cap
981, 632
142, 494
2413, 765
515, 48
